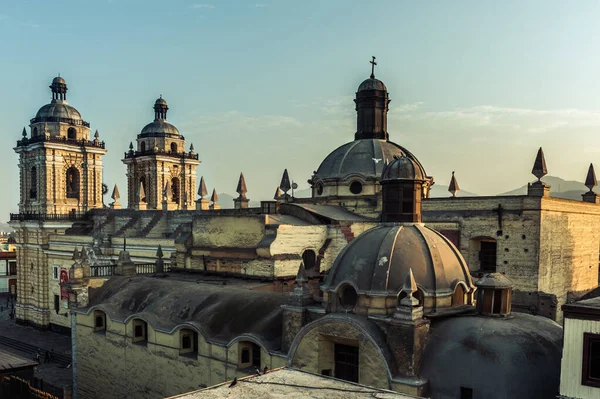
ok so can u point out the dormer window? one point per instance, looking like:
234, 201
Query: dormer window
99, 321
494, 293
249, 355
188, 342
140, 331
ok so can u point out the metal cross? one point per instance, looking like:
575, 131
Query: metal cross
373, 63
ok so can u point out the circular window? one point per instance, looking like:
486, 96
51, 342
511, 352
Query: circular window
319, 189
356, 187
348, 297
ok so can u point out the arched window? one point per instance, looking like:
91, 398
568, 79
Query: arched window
309, 258
143, 184
34, 178
140, 331
175, 190
72, 133
99, 321
143, 146
348, 297
72, 183
188, 342
35, 131
173, 147
458, 297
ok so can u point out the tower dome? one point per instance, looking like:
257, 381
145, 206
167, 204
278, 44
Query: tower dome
160, 126
58, 110
404, 167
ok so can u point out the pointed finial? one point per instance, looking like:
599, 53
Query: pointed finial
277, 195
539, 166
241, 187
192, 147
453, 187
590, 180
24, 133
373, 63
202, 192
130, 146
409, 288
96, 135
83, 254
141, 193
285, 184
159, 252
214, 197
115, 194
75, 254
301, 276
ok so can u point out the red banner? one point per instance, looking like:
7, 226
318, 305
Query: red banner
64, 278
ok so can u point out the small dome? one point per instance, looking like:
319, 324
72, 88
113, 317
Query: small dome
59, 80
494, 280
372, 84
517, 357
159, 127
161, 101
360, 157
404, 168
378, 260
57, 110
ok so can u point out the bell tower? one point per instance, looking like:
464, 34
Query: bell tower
60, 177
161, 174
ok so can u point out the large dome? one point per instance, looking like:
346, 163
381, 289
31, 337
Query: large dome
361, 157
516, 357
57, 109
159, 127
378, 261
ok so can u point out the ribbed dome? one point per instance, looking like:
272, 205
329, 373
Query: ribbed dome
378, 260
360, 157
59, 109
59, 80
159, 127
372, 84
404, 168
161, 101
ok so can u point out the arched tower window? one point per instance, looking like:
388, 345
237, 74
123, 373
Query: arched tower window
34, 178
143, 146
72, 133
72, 183
173, 147
175, 190
143, 183
35, 131
458, 297
309, 258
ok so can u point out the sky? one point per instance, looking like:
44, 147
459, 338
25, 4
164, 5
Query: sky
476, 86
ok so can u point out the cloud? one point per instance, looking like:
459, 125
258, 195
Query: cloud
202, 5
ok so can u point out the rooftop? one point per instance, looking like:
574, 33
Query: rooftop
290, 384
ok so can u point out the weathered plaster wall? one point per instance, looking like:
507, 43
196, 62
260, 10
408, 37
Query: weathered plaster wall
572, 359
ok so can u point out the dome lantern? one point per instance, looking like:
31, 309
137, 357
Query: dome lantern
371, 108
59, 89
494, 292
160, 109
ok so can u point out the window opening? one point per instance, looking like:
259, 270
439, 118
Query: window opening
346, 362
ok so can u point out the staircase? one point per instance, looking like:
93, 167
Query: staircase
148, 228
60, 359
127, 226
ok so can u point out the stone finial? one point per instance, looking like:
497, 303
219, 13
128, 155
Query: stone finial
115, 194
191, 148
76, 255
277, 195
202, 192
301, 275
24, 133
539, 166
96, 135
453, 187
83, 256
590, 180
285, 184
409, 288
159, 252
130, 146
215, 200
241, 187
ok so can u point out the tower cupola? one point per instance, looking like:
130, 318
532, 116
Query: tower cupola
494, 292
160, 109
371, 108
59, 89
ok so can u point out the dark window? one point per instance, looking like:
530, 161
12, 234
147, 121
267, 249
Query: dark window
139, 331
591, 360
346, 362
487, 256
143, 147
466, 393
72, 183
348, 297
34, 178
173, 147
309, 258
319, 189
56, 303
326, 372
246, 355
13, 268
186, 342
72, 133
175, 190
99, 322
256, 355
35, 131
356, 187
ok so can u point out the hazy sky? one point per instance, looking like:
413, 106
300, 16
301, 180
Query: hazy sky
476, 86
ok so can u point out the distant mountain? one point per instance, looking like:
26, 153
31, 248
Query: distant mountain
559, 188
439, 190
226, 201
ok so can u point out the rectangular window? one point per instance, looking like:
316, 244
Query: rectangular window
56, 303
246, 355
139, 331
13, 268
487, 256
591, 360
466, 393
55, 272
346, 362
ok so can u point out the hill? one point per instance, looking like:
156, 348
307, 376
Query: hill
559, 188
